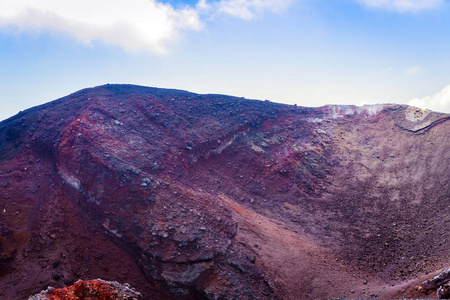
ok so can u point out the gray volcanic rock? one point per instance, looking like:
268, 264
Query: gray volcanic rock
189, 196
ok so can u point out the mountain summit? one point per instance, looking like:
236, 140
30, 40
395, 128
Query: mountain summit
188, 196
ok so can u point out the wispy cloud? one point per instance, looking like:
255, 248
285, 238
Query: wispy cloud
387, 70
248, 9
402, 5
134, 25
437, 102
413, 70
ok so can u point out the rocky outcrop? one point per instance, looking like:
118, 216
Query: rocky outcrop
443, 291
92, 289
439, 283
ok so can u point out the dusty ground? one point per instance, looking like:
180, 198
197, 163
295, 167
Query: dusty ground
190, 196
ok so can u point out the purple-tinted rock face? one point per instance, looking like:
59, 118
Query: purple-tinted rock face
189, 196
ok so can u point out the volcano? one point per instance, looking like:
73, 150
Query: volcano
189, 196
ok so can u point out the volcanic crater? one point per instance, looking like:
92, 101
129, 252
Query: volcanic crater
189, 196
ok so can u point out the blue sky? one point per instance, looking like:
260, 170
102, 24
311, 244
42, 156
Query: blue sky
307, 52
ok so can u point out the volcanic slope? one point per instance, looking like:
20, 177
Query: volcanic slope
188, 196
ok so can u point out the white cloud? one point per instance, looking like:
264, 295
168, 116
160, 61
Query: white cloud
437, 102
413, 70
131, 24
402, 5
202, 4
134, 25
248, 9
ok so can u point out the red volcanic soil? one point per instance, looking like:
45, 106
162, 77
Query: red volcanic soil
90, 290
188, 196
